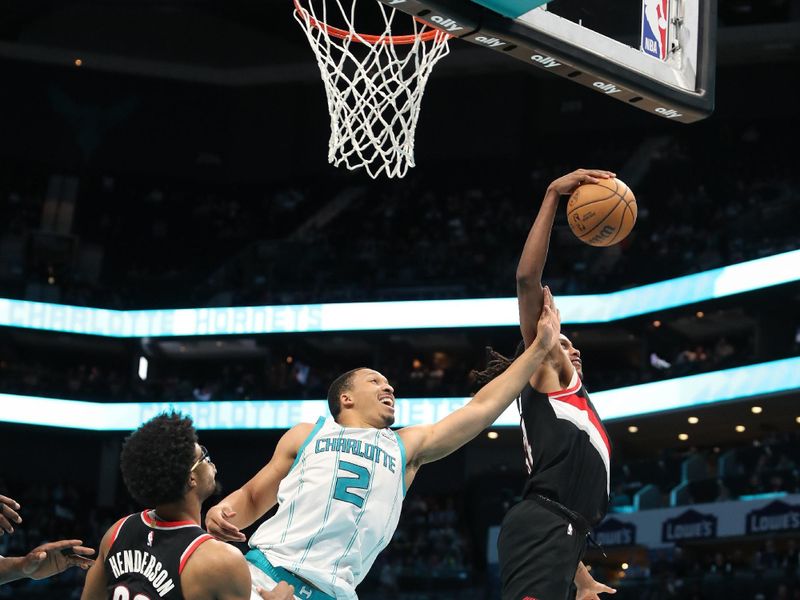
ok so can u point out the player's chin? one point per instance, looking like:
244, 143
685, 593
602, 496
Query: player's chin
388, 420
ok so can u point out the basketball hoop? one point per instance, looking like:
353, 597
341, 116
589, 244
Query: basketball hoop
374, 83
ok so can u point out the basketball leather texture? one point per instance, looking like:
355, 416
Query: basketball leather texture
603, 213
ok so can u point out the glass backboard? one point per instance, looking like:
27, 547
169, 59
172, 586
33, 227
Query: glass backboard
656, 55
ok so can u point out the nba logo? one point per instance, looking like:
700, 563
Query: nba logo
655, 20
150, 539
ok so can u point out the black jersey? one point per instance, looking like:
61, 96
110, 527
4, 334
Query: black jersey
567, 451
146, 556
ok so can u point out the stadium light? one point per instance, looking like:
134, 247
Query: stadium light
672, 394
421, 314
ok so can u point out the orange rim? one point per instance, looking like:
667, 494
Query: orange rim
396, 40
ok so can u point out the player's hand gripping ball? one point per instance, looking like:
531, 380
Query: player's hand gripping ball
602, 213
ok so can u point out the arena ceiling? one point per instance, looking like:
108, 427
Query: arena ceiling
242, 42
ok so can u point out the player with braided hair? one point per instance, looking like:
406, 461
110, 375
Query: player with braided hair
567, 451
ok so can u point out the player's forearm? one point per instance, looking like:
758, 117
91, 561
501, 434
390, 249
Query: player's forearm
534, 253
10, 569
243, 503
498, 394
461, 426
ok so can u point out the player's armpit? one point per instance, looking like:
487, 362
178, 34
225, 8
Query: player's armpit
263, 488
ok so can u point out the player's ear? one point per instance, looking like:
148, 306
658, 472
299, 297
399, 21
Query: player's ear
192, 483
346, 400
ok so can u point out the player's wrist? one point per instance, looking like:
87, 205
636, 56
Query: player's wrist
13, 568
222, 507
552, 194
540, 348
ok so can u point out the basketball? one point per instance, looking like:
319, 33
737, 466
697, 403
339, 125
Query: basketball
602, 213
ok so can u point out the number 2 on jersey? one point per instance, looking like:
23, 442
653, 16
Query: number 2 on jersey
345, 484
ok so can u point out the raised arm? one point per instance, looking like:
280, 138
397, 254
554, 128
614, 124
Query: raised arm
252, 501
427, 443
534, 253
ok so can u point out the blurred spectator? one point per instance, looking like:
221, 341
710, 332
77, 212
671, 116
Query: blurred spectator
425, 239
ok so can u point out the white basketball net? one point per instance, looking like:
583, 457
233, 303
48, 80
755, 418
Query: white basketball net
374, 83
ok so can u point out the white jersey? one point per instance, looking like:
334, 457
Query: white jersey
337, 508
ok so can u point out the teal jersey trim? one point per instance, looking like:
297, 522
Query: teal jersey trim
317, 427
511, 8
257, 559
402, 459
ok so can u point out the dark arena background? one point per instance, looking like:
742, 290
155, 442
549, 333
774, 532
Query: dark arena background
162, 155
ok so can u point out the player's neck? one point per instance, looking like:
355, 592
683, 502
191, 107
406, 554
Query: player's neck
353, 420
187, 509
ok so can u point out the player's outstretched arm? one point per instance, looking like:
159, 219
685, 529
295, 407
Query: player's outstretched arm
46, 560
534, 253
250, 502
427, 443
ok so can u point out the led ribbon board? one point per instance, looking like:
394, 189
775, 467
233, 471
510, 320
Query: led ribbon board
680, 87
423, 314
673, 394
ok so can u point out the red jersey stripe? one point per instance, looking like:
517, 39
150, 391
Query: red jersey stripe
191, 548
117, 527
164, 524
582, 404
